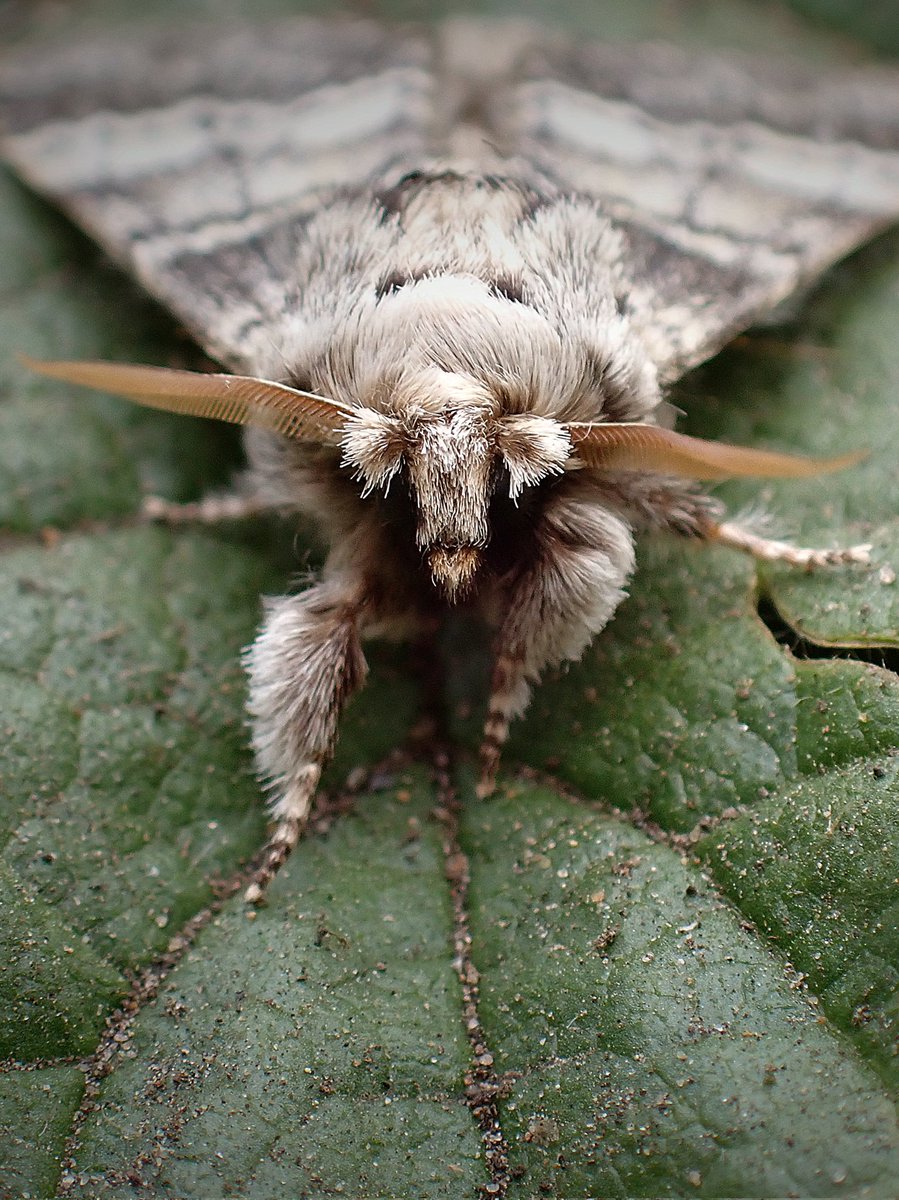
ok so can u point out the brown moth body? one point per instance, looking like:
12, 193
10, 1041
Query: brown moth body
454, 323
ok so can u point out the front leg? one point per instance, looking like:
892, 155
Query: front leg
304, 665
678, 507
211, 509
561, 596
738, 537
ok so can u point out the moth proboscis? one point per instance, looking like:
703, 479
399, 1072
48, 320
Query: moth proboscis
451, 288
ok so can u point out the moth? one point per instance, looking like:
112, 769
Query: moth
452, 273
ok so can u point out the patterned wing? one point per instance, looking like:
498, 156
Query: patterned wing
200, 160
198, 157
735, 180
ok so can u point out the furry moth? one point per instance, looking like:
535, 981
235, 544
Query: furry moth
451, 288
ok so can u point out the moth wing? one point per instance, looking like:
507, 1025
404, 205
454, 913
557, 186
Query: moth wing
198, 157
734, 180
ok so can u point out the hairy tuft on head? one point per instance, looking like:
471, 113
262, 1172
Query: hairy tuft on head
372, 448
532, 448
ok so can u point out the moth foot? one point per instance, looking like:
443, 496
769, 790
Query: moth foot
486, 786
768, 550
495, 734
505, 700
860, 554
209, 510
274, 857
291, 815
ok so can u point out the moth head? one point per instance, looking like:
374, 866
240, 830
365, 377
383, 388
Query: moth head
445, 434
437, 432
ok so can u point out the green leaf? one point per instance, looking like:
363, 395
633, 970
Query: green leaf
815, 868
877, 22
662, 961
656, 1045
328, 1021
40, 1102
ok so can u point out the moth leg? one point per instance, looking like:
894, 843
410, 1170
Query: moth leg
564, 594
731, 533
208, 510
303, 666
682, 510
506, 702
